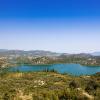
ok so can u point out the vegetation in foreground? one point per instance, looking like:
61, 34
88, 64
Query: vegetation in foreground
48, 86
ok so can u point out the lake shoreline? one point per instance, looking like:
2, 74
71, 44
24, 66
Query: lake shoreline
70, 68
50, 64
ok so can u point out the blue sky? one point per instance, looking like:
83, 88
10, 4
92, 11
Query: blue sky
71, 26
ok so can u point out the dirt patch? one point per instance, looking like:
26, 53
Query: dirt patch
21, 96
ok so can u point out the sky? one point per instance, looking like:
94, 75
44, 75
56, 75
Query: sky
70, 26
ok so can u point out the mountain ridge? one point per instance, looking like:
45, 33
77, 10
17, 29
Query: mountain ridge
43, 53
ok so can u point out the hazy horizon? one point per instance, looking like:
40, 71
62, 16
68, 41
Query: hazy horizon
51, 51
51, 25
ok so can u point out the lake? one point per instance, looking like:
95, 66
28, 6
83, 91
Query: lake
74, 69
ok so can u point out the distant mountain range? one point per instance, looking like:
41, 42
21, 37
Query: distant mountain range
28, 53
43, 53
95, 53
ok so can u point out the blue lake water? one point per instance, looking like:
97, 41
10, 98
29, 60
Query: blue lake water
74, 69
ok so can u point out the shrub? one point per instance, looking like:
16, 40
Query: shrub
6, 97
91, 86
73, 84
